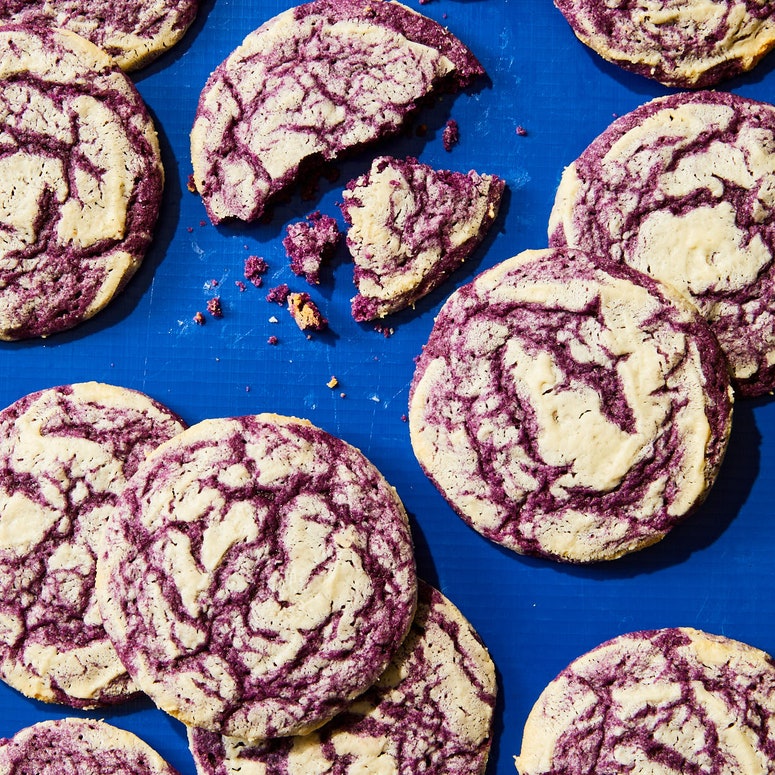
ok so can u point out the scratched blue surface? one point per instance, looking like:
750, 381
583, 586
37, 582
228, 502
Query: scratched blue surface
715, 572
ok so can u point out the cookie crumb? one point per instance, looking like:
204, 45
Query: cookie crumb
242, 287
255, 269
199, 318
332, 383
272, 340
309, 243
191, 185
279, 293
305, 312
521, 131
451, 134
214, 307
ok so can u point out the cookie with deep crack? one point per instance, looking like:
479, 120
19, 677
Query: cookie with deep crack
65, 455
312, 83
675, 700
570, 407
257, 575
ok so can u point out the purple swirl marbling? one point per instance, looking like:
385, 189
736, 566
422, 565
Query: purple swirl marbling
679, 43
675, 701
570, 407
318, 80
257, 575
72, 746
683, 188
81, 180
430, 712
65, 456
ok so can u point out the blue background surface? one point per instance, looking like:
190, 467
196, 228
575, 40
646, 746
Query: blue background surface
714, 572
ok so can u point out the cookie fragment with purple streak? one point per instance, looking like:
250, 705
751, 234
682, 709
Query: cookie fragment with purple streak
81, 181
680, 43
65, 455
430, 711
308, 85
683, 188
134, 34
309, 243
305, 313
257, 575
74, 746
411, 226
675, 700
570, 407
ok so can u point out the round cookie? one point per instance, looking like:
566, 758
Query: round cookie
570, 407
675, 700
133, 34
683, 188
65, 456
72, 746
257, 575
430, 711
680, 43
81, 180
309, 84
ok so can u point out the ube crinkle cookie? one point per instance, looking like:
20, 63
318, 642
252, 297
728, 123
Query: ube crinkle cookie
257, 575
683, 188
81, 180
309, 84
133, 33
65, 455
670, 701
411, 226
570, 407
73, 746
681, 43
431, 711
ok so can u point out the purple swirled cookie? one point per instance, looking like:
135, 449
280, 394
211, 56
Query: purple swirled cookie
65, 456
680, 43
570, 407
318, 80
80, 180
133, 34
683, 188
670, 701
73, 746
430, 712
257, 576
411, 226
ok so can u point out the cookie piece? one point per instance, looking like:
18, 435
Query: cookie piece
134, 34
308, 85
570, 407
683, 188
309, 243
72, 746
80, 185
257, 575
675, 700
306, 313
430, 711
677, 42
65, 455
411, 226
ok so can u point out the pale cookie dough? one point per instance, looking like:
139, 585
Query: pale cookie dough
72, 746
683, 188
133, 33
431, 711
309, 84
80, 181
411, 226
570, 407
257, 575
681, 43
65, 456
671, 701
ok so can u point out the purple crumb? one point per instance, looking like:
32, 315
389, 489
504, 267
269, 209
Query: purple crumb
521, 131
451, 134
272, 340
214, 307
309, 243
255, 269
279, 293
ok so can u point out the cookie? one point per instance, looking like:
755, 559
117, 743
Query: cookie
675, 700
677, 42
317, 80
411, 226
72, 746
80, 185
683, 188
257, 575
570, 407
309, 243
65, 455
430, 711
134, 34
